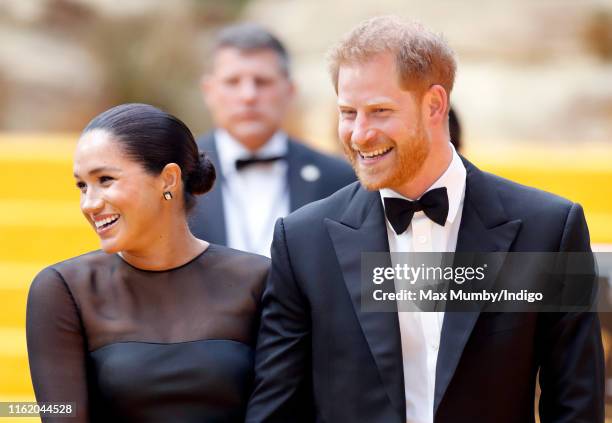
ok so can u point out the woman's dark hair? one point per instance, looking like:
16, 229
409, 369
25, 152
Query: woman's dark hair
155, 138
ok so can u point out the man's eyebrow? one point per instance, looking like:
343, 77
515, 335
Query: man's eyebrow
343, 104
378, 101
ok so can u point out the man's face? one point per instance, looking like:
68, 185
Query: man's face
248, 94
380, 124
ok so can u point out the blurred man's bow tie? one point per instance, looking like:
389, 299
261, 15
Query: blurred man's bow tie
433, 203
242, 163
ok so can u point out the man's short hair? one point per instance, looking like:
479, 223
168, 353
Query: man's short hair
423, 58
249, 37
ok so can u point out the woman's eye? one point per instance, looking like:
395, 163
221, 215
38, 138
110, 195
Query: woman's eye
82, 186
105, 179
381, 110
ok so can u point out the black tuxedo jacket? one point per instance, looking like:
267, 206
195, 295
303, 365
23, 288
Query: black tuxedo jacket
320, 358
207, 219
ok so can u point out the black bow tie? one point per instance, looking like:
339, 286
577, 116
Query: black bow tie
242, 163
433, 203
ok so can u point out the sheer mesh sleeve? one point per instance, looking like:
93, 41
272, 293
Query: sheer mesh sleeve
56, 345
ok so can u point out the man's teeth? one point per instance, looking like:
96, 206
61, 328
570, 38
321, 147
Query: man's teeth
106, 221
374, 153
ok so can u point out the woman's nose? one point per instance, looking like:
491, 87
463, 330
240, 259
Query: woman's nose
92, 202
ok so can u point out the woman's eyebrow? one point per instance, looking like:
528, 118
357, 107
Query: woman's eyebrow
100, 170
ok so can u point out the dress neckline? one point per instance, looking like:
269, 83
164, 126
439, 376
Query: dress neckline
187, 263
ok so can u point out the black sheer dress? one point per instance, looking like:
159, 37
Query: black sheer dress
132, 345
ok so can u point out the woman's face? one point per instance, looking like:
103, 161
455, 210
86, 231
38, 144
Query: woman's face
119, 198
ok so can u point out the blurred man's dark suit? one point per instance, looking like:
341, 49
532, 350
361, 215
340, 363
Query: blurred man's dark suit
321, 358
207, 220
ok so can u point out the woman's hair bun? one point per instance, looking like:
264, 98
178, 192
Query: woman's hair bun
202, 178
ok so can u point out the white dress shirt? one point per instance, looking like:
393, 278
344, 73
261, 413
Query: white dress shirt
255, 196
421, 331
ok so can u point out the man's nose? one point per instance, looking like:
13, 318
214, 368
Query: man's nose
362, 131
248, 90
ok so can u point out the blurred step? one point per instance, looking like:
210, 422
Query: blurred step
46, 244
41, 213
16, 279
15, 380
35, 179
43, 231
12, 312
37, 166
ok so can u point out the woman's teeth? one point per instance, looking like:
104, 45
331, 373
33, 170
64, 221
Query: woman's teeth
107, 221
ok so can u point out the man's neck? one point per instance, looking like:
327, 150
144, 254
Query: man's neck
434, 166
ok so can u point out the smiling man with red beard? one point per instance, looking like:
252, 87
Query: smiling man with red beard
322, 357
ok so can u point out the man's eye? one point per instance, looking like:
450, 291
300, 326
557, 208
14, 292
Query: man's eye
381, 110
263, 82
347, 113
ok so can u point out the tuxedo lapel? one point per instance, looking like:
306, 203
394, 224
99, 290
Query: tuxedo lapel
362, 229
484, 228
302, 177
208, 218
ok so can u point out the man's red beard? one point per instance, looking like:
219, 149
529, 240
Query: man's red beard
410, 155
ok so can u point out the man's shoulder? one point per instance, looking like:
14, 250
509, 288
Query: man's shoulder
526, 202
332, 207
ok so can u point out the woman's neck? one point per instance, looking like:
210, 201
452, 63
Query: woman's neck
171, 248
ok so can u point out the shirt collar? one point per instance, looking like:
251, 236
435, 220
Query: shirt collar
230, 150
453, 179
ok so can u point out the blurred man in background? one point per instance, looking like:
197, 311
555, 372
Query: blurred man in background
263, 174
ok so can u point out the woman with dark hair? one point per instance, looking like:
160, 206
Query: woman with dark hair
157, 326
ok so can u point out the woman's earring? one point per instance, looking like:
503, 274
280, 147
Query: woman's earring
168, 195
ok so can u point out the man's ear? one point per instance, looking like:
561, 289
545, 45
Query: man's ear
292, 92
434, 105
206, 87
171, 178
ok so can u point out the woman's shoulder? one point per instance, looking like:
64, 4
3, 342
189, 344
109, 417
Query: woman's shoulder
236, 265
230, 257
65, 270
55, 283
86, 261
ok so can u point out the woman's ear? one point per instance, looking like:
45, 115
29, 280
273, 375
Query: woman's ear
171, 178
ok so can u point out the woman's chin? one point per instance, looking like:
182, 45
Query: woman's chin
110, 247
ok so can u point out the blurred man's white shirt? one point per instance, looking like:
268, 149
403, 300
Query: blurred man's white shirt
254, 197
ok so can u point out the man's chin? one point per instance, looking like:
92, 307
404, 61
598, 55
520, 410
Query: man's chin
372, 184
252, 135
